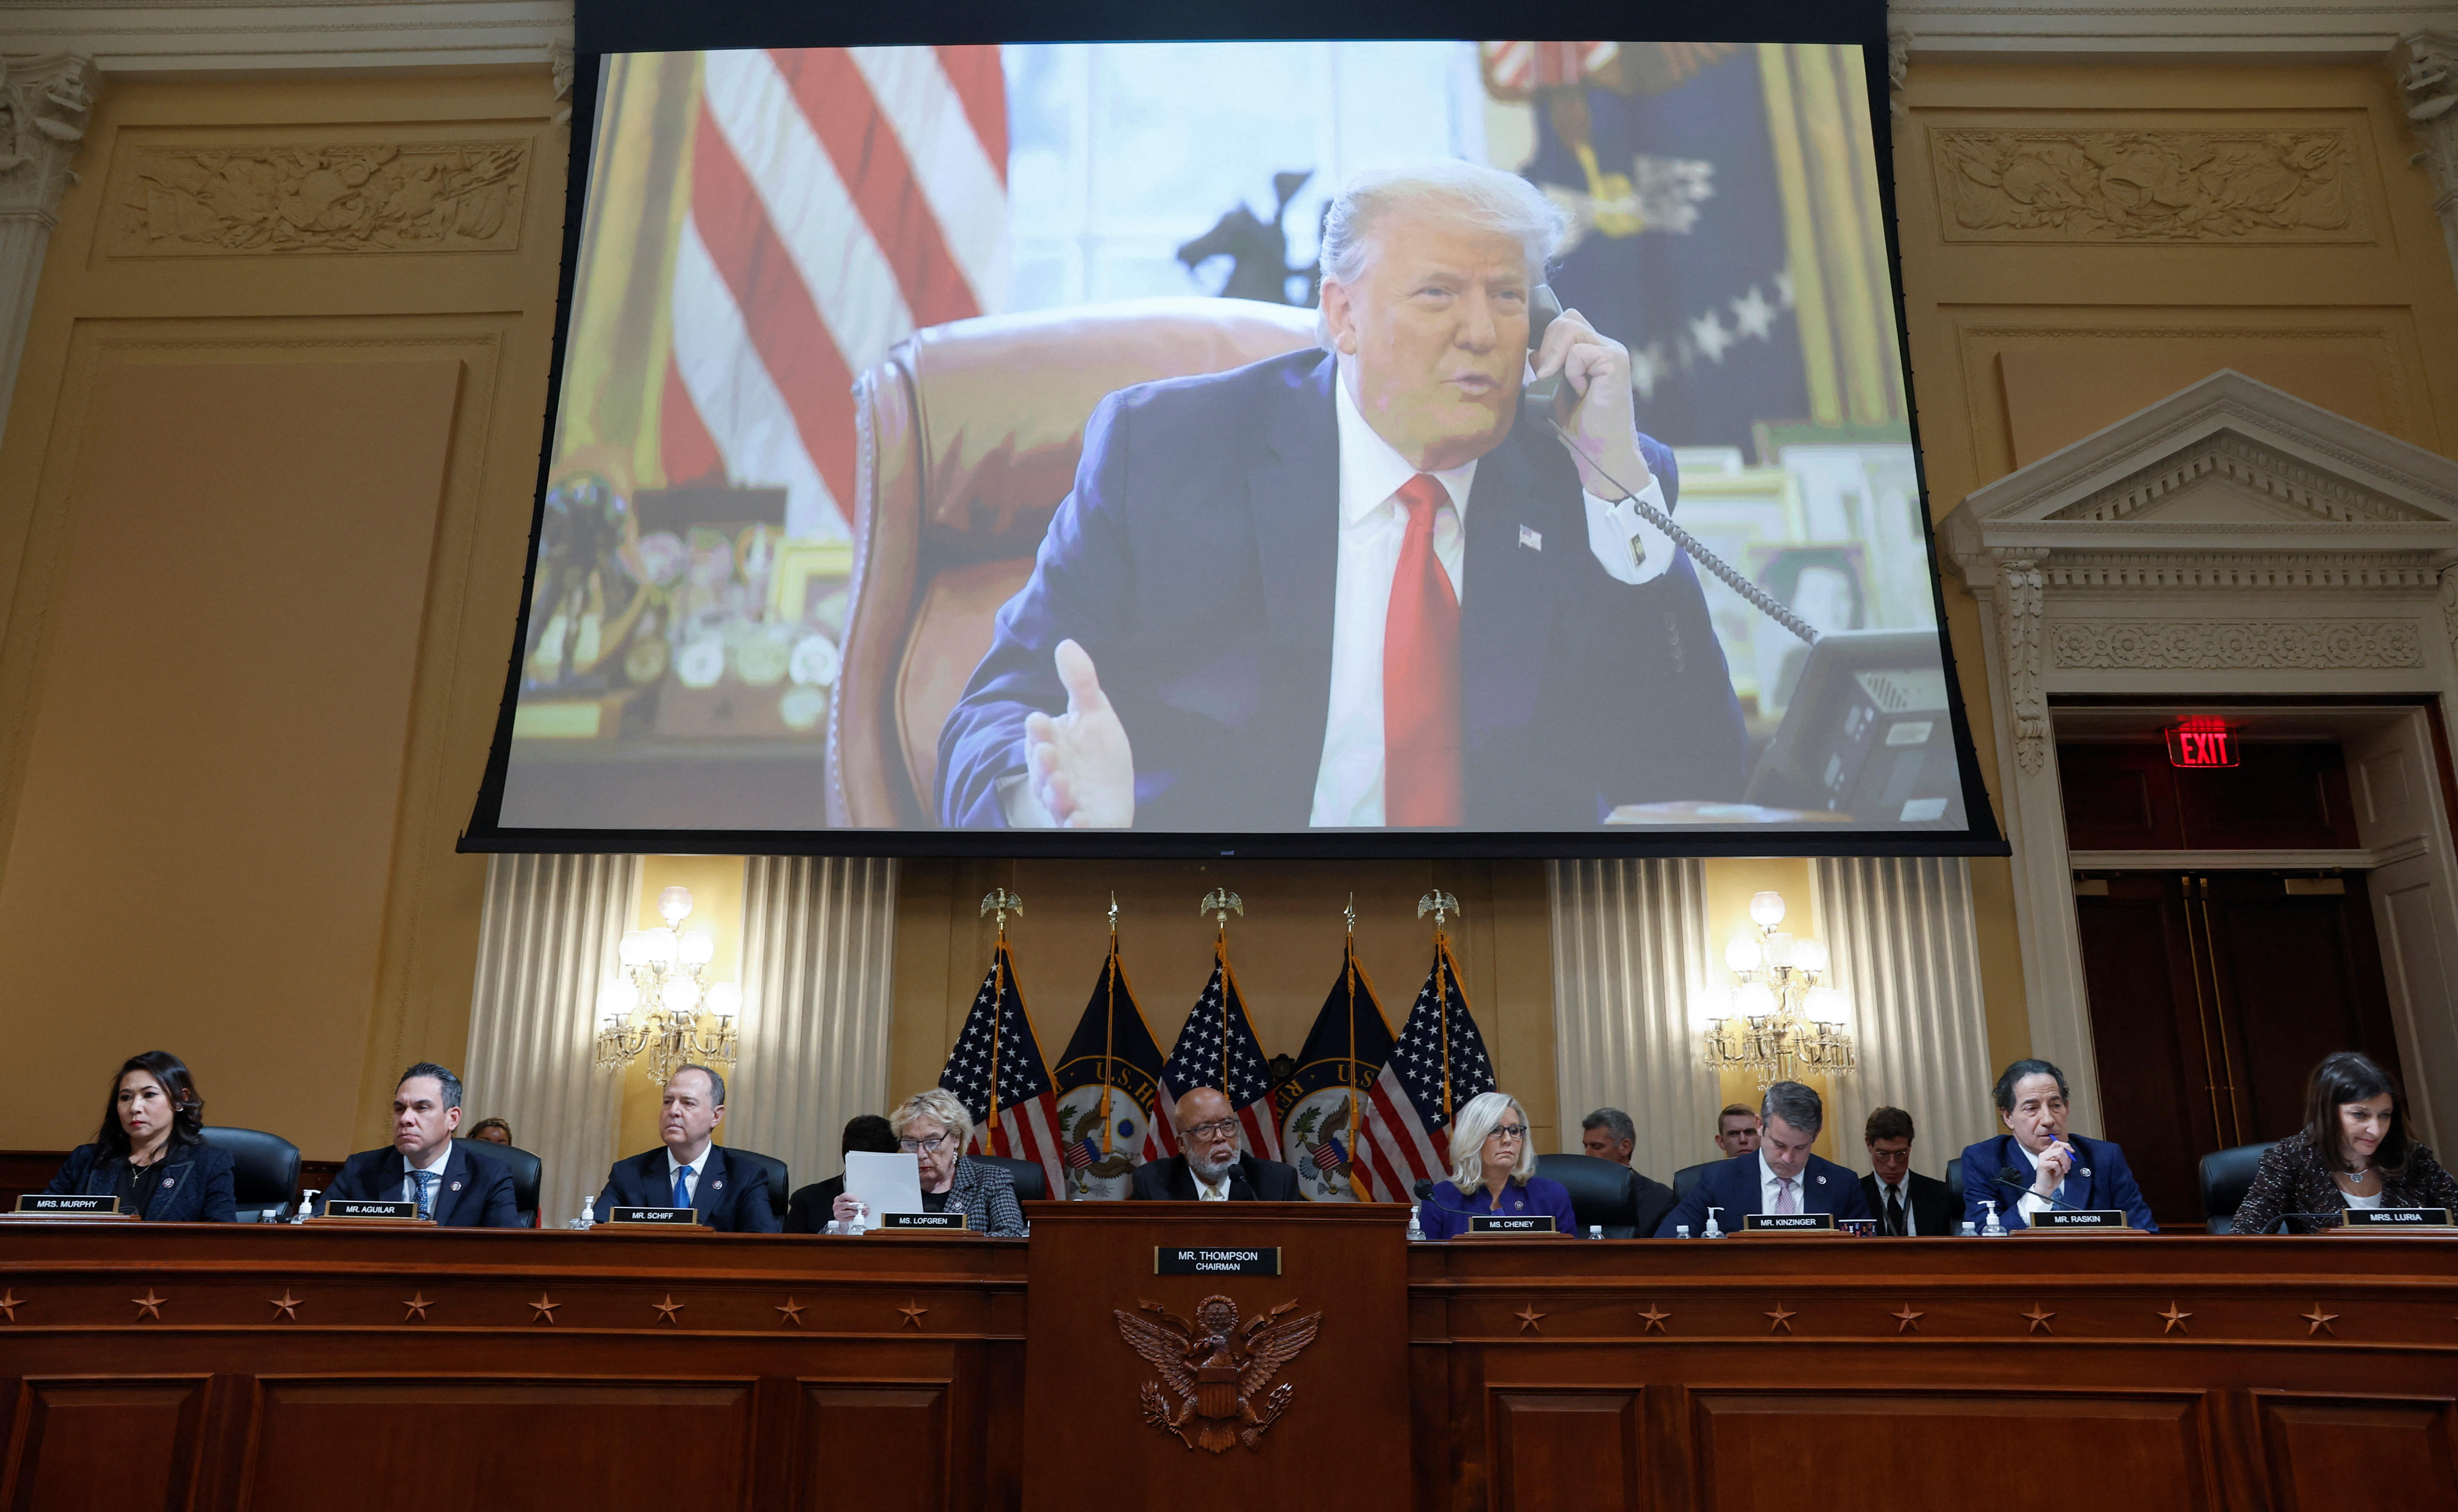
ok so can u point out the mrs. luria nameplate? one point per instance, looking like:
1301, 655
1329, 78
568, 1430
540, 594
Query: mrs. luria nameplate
2076, 1221
655, 1217
1512, 1223
1788, 1223
2394, 1218
55, 1205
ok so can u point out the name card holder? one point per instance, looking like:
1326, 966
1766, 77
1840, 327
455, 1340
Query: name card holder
1201, 1259
923, 1223
2393, 1220
353, 1210
651, 1217
1792, 1224
1510, 1225
48, 1205
2079, 1220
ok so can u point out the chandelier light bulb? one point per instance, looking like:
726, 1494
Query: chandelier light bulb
1822, 1005
726, 1000
1753, 1000
615, 1001
680, 995
634, 952
697, 947
675, 904
1767, 909
1778, 949
658, 946
1742, 954
1809, 955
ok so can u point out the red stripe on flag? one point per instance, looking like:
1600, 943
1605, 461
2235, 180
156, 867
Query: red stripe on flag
1262, 1134
982, 85
685, 448
844, 115
793, 343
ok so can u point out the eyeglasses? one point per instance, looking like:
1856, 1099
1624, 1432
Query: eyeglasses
1218, 1129
1509, 1132
922, 1146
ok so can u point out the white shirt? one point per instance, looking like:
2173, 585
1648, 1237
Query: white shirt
1348, 782
410, 1174
2355, 1199
1206, 1191
1769, 1183
690, 1183
1903, 1191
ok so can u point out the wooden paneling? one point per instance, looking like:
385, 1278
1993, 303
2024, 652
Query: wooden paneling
2284, 796
2323, 1449
892, 1439
129, 1441
1544, 1440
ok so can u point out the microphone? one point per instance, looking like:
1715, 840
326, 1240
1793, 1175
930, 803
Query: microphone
2008, 1176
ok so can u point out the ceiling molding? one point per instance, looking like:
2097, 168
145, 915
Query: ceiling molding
186, 38
2313, 32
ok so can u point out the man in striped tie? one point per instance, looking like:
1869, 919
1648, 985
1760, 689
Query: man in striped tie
1254, 611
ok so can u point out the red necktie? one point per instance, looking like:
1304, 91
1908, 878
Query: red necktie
1421, 679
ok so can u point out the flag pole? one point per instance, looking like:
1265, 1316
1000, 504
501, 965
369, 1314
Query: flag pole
1356, 1115
1222, 900
1003, 902
1439, 903
1110, 1022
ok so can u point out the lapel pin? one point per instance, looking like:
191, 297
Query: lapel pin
456, 1186
167, 1183
1822, 1181
718, 1185
1533, 540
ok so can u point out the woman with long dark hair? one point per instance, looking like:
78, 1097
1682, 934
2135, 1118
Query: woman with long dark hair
151, 1153
2352, 1153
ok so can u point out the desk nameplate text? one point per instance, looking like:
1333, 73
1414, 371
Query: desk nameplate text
655, 1217
353, 1210
2076, 1221
64, 1205
1792, 1223
1503, 1225
2379, 1219
925, 1222
1190, 1259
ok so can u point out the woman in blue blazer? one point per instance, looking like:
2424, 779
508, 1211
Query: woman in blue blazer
1492, 1171
151, 1153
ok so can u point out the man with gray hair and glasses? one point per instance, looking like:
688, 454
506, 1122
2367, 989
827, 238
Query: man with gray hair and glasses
1783, 1178
424, 1165
1252, 612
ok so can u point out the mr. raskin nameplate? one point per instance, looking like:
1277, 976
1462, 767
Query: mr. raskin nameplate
1186, 1259
355, 1207
61, 1206
2076, 1221
938, 1222
2394, 1218
655, 1217
1788, 1223
1512, 1223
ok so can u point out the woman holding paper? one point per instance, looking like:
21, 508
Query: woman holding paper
1492, 1171
933, 1128
2352, 1153
151, 1153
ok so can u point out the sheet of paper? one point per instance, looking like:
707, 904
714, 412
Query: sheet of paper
887, 1183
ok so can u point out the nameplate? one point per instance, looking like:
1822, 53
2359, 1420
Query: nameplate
2076, 1221
1512, 1223
2394, 1218
1172, 1259
385, 1212
658, 1218
942, 1222
48, 1205
1788, 1223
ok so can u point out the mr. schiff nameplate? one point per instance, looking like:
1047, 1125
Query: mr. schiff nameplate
655, 1217
2381, 1218
1505, 1223
1787, 1223
59, 1205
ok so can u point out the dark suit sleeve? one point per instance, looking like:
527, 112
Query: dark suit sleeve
1146, 1182
2127, 1195
502, 1211
801, 1211
349, 1183
68, 1181
1692, 1209
614, 1194
1277, 1183
1852, 1205
221, 1199
1079, 590
1656, 1203
755, 1206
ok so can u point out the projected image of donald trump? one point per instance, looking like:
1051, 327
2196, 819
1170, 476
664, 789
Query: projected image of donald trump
1358, 586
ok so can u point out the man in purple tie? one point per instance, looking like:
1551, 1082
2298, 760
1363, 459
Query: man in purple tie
1783, 1178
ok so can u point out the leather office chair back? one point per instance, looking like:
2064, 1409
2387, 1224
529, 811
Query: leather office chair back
1954, 1180
780, 1192
264, 1172
1031, 1180
2226, 1176
1604, 1193
1688, 1176
527, 1170
970, 435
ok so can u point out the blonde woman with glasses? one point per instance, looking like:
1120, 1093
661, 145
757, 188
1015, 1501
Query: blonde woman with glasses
1492, 1171
933, 1128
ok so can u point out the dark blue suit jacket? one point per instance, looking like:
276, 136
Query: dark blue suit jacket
728, 1197
2100, 1175
1733, 1185
200, 1177
476, 1192
1196, 562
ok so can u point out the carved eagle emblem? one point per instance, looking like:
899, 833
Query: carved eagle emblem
1213, 1370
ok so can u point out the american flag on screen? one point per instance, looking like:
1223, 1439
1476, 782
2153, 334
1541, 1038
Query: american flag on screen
1407, 1139
1217, 1048
840, 199
998, 1043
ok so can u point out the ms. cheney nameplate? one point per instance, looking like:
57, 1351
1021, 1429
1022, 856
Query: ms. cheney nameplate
2076, 1221
2394, 1218
1188, 1260
1787, 1223
1510, 1223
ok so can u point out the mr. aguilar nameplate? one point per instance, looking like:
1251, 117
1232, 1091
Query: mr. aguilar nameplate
1788, 1223
2394, 1218
354, 1208
1172, 1259
2077, 1220
940, 1222
52, 1205
1512, 1223
655, 1217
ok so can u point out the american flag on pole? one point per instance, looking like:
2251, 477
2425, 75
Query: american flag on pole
840, 199
998, 1047
1217, 1048
1406, 1122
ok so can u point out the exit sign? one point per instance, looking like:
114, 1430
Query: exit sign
2202, 743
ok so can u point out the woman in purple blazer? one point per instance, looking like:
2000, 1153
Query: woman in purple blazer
1492, 1171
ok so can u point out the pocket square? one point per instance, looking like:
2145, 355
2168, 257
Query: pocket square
1533, 540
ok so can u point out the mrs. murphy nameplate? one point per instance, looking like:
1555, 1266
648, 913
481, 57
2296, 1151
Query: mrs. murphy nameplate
1176, 1259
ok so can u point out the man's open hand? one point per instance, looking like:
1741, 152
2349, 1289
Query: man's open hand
1078, 764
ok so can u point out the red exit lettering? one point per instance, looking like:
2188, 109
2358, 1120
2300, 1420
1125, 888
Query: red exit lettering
2202, 743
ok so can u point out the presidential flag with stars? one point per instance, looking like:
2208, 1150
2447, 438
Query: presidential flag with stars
998, 1042
1407, 1125
1217, 1048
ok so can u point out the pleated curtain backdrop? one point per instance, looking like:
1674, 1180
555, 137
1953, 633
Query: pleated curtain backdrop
1630, 955
1899, 932
548, 938
819, 941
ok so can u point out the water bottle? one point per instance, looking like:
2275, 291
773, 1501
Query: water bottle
1971, 1230
1595, 1231
1681, 1230
1992, 1229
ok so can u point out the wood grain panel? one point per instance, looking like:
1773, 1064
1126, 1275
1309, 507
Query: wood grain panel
128, 1442
892, 1439
2322, 1448
1548, 1440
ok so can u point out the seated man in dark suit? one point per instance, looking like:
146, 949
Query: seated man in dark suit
1208, 1167
1906, 1204
811, 1208
2036, 1164
691, 1170
1250, 612
450, 1183
1783, 1177
1607, 1134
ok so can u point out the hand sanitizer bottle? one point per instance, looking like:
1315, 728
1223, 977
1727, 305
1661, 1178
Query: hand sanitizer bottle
1712, 1231
1991, 1229
306, 1204
1415, 1234
588, 1218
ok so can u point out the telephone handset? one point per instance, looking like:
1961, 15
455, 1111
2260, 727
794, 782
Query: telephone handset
1543, 307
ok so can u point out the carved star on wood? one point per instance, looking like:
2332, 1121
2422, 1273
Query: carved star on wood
793, 1311
1528, 1317
416, 1307
285, 1305
2319, 1320
2039, 1317
1655, 1319
1781, 1318
546, 1307
1907, 1322
149, 1306
9, 1302
666, 1308
2175, 1321
912, 1315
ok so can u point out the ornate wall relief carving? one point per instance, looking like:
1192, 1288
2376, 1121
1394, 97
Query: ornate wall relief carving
2021, 591
44, 105
2426, 63
2246, 185
422, 196
2176, 645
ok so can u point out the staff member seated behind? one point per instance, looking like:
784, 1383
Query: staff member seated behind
1209, 1166
1492, 1171
810, 1205
2037, 1159
1906, 1204
457, 1189
2352, 1153
934, 1127
692, 1171
1783, 1178
151, 1153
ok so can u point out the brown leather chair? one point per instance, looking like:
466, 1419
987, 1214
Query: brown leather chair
968, 435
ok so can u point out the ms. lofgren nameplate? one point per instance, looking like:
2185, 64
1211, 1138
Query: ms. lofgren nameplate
1172, 1259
